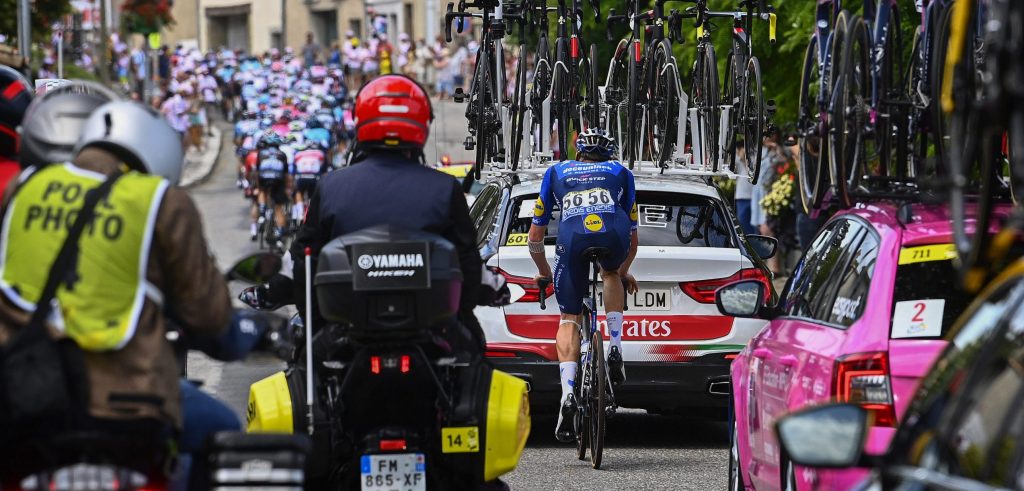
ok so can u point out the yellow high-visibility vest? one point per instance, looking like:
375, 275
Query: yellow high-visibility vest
101, 309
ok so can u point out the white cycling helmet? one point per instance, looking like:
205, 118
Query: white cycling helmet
54, 120
138, 135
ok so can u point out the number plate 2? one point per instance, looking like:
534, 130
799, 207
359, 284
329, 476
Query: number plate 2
460, 439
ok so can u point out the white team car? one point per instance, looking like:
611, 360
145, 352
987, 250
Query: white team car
676, 346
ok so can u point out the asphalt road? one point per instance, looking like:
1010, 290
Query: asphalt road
642, 451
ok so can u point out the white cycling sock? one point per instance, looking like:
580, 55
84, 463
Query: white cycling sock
615, 329
252, 229
298, 211
567, 371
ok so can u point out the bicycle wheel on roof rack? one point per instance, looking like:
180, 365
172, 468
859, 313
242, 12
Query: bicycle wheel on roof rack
518, 110
664, 106
592, 98
616, 93
811, 127
705, 96
752, 118
849, 117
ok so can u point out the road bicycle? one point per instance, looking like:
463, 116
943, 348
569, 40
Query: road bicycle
571, 74
594, 394
518, 109
927, 128
748, 112
487, 87
868, 122
816, 82
642, 93
983, 93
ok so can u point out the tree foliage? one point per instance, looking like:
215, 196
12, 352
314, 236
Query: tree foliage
44, 14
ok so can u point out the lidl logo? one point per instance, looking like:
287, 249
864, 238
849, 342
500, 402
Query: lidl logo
538, 208
593, 223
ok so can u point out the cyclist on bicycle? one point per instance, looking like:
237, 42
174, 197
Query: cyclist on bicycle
273, 181
598, 209
310, 163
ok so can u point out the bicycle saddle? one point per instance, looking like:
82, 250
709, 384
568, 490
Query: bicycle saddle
596, 252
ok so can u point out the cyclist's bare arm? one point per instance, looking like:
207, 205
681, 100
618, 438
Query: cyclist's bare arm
536, 235
628, 280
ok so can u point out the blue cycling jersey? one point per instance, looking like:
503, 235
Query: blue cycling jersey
588, 194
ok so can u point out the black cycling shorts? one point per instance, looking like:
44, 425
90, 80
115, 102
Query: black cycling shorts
274, 189
306, 184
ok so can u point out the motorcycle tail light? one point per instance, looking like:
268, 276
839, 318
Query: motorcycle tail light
393, 445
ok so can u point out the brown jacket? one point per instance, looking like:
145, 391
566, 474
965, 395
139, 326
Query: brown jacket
141, 379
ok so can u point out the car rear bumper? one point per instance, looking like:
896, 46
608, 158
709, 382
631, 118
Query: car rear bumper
657, 386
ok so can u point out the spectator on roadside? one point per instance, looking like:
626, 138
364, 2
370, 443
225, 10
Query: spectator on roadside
424, 65
210, 93
758, 217
175, 109
311, 51
164, 64
335, 58
368, 56
353, 65
385, 55
744, 191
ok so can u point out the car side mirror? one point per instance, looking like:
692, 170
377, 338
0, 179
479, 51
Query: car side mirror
740, 299
764, 246
257, 268
828, 436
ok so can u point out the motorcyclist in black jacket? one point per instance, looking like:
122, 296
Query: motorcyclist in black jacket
388, 184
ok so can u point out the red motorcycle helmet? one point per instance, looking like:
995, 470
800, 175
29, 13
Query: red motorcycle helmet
15, 95
394, 112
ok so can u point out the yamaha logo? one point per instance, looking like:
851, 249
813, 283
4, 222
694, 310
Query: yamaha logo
365, 261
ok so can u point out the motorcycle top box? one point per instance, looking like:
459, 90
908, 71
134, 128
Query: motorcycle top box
385, 281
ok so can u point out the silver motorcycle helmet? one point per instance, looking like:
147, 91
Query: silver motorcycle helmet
138, 135
54, 120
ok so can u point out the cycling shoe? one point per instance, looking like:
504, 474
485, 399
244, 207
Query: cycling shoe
616, 370
564, 430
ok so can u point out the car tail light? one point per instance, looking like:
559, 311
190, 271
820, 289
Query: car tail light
375, 364
703, 291
392, 445
532, 291
863, 379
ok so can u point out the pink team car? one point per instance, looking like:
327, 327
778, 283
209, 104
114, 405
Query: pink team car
861, 321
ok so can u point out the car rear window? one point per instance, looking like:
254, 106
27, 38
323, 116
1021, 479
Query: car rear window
927, 298
664, 219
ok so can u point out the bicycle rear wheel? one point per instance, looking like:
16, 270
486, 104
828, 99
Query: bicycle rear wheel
633, 99
561, 101
665, 105
581, 422
705, 93
752, 118
940, 121
850, 103
598, 384
592, 102
812, 127
482, 89
518, 109
731, 97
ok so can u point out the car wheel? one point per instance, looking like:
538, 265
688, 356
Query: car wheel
789, 477
735, 481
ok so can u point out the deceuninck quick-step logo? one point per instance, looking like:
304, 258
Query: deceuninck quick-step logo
390, 264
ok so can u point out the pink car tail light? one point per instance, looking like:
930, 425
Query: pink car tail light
529, 286
703, 291
863, 379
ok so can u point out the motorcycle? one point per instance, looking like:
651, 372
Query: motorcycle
393, 392
140, 455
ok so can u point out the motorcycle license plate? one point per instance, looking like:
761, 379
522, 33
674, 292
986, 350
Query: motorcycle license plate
393, 472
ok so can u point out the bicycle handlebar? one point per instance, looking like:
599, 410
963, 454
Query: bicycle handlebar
542, 287
451, 15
